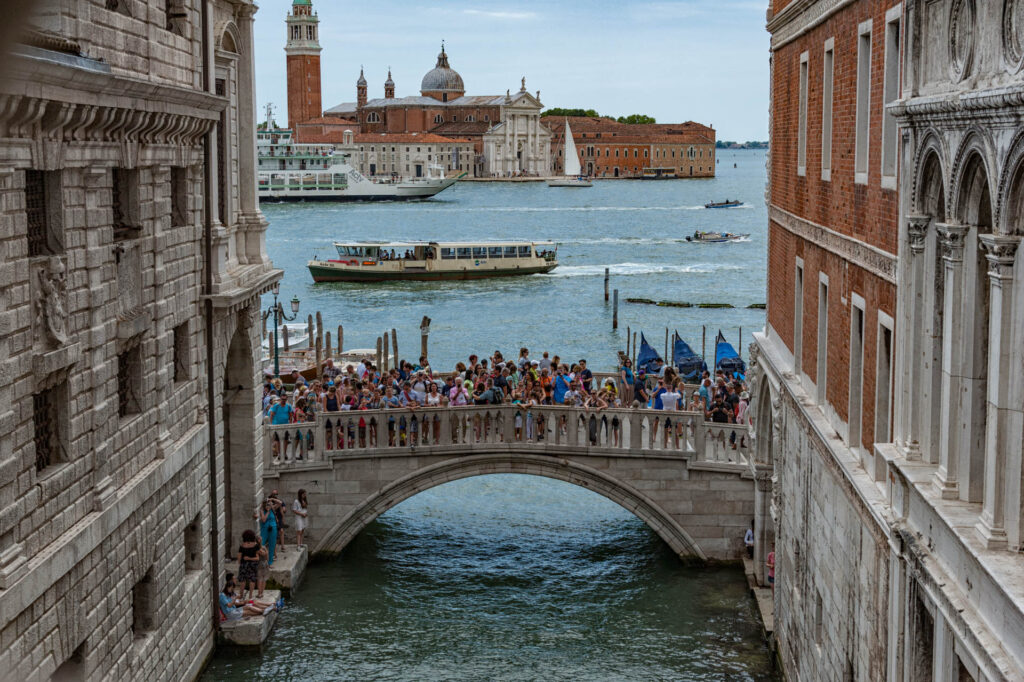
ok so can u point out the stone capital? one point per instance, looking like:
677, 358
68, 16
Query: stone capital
954, 237
1001, 252
917, 231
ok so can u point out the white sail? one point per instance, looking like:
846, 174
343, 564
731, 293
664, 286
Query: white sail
572, 159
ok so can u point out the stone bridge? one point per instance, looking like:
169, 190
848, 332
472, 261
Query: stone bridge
679, 475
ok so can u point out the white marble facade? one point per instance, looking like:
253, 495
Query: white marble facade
129, 333
520, 143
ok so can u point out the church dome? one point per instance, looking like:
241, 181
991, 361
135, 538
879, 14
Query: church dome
442, 78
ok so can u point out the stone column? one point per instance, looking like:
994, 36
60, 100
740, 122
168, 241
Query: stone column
764, 535
250, 220
946, 478
909, 368
1003, 426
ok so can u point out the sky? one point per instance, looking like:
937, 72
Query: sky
676, 60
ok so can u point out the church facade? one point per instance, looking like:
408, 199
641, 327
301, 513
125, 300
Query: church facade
506, 133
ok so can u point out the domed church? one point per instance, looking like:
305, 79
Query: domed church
507, 135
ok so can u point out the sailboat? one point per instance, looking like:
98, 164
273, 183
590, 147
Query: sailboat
573, 171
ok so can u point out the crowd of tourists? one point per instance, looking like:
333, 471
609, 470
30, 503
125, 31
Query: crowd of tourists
525, 379
244, 596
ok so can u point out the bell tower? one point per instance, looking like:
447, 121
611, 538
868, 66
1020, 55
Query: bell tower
303, 50
361, 90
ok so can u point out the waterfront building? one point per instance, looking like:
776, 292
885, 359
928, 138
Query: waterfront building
887, 381
133, 264
609, 149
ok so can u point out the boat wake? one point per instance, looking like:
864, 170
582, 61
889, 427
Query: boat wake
637, 269
578, 209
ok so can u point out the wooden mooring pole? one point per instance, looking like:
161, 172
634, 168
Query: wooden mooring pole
741, 343
394, 346
424, 336
379, 365
629, 333
310, 331
327, 346
341, 335
633, 359
606, 285
387, 356
615, 310
284, 332
666, 345
704, 343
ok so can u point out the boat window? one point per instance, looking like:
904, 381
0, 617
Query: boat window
370, 251
479, 252
463, 253
510, 252
339, 179
447, 254
494, 252
524, 251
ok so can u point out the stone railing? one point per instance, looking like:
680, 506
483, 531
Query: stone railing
549, 430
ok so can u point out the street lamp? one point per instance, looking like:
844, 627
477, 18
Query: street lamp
278, 312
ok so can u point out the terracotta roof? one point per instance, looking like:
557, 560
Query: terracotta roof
328, 120
461, 128
403, 138
684, 133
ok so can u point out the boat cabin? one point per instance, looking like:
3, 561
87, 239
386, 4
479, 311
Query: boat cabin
375, 252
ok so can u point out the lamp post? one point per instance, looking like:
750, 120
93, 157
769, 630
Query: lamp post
278, 312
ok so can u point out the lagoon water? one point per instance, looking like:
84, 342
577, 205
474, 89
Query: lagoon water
514, 577
635, 228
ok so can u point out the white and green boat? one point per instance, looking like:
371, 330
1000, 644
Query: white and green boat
433, 261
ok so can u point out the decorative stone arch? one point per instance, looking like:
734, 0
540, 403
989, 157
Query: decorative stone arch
537, 465
929, 181
970, 200
1009, 215
763, 425
228, 37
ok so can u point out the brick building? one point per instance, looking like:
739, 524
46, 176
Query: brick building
133, 266
884, 375
609, 149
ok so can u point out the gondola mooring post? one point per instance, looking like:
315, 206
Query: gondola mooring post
606, 285
615, 310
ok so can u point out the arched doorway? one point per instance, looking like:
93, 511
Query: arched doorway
677, 538
931, 202
970, 351
239, 415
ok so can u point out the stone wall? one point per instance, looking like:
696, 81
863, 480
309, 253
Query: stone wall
107, 565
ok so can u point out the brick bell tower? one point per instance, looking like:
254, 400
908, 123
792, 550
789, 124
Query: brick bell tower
303, 50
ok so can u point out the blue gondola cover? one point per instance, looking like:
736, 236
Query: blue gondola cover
726, 357
689, 364
647, 356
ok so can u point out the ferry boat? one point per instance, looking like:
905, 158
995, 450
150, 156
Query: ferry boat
728, 203
289, 171
432, 261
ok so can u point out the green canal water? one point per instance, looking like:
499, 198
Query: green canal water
516, 577
510, 577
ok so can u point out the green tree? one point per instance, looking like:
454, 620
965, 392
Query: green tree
557, 111
634, 119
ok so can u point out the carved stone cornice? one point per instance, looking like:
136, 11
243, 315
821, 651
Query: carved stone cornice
801, 16
863, 255
1001, 253
954, 238
917, 231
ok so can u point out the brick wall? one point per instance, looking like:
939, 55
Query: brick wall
867, 213
303, 89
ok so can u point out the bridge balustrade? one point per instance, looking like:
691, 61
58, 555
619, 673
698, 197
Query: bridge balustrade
472, 429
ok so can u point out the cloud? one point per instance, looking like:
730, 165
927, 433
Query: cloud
515, 16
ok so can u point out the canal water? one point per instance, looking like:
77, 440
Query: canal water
635, 228
512, 577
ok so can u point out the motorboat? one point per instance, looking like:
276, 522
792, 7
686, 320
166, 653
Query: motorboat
728, 203
715, 237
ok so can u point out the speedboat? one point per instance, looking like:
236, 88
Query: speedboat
728, 203
715, 237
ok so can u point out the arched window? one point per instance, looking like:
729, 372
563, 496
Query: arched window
373, 117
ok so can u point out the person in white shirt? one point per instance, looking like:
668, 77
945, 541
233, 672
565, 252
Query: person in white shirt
748, 540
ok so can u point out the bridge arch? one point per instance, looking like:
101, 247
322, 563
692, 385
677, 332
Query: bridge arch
557, 468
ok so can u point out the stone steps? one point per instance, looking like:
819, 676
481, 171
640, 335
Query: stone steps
252, 630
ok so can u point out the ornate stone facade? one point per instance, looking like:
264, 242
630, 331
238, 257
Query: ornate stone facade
898, 552
127, 345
